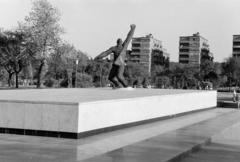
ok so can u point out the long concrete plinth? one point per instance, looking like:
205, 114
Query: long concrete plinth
75, 113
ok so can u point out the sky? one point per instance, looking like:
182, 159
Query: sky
93, 26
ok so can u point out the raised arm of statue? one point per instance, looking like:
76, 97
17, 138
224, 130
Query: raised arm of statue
121, 58
104, 54
130, 35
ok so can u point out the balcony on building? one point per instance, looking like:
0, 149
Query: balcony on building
184, 50
236, 44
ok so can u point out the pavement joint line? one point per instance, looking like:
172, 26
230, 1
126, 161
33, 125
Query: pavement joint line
206, 138
186, 153
32, 145
197, 147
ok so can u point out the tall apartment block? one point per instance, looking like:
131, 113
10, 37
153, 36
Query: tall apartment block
148, 51
192, 49
236, 46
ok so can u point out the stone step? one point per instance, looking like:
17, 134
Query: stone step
215, 153
227, 104
171, 146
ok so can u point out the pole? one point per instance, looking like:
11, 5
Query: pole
76, 74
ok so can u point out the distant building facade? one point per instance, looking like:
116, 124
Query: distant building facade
148, 51
236, 46
193, 49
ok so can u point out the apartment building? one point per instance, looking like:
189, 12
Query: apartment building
193, 49
148, 51
236, 46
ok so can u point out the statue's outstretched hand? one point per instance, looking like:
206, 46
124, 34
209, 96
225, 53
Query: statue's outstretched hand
132, 26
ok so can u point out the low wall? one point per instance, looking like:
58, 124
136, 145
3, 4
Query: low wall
75, 120
36, 118
102, 114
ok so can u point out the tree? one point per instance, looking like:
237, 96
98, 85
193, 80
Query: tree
182, 76
162, 81
231, 68
62, 64
2, 75
135, 72
156, 70
206, 67
99, 71
84, 80
13, 53
42, 26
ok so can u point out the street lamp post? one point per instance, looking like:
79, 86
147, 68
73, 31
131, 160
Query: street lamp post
76, 74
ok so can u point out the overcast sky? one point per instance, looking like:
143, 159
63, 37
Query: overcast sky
94, 25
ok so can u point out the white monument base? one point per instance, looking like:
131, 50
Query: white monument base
76, 113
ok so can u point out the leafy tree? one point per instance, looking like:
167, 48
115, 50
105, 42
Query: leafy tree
135, 72
10, 72
231, 68
206, 67
42, 26
162, 82
62, 63
84, 80
157, 70
13, 53
99, 71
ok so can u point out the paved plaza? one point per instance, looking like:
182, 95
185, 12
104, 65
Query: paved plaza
225, 147
146, 143
173, 145
171, 139
119, 81
215, 153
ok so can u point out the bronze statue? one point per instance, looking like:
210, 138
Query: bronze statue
119, 54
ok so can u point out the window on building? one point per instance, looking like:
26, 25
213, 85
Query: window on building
236, 49
136, 45
236, 43
184, 44
195, 39
184, 38
236, 55
184, 50
184, 56
136, 50
236, 37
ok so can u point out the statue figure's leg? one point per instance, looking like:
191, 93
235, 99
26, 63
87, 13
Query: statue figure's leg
115, 82
113, 76
120, 75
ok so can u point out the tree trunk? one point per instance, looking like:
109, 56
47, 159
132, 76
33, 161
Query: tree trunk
39, 74
17, 69
16, 77
70, 77
9, 79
